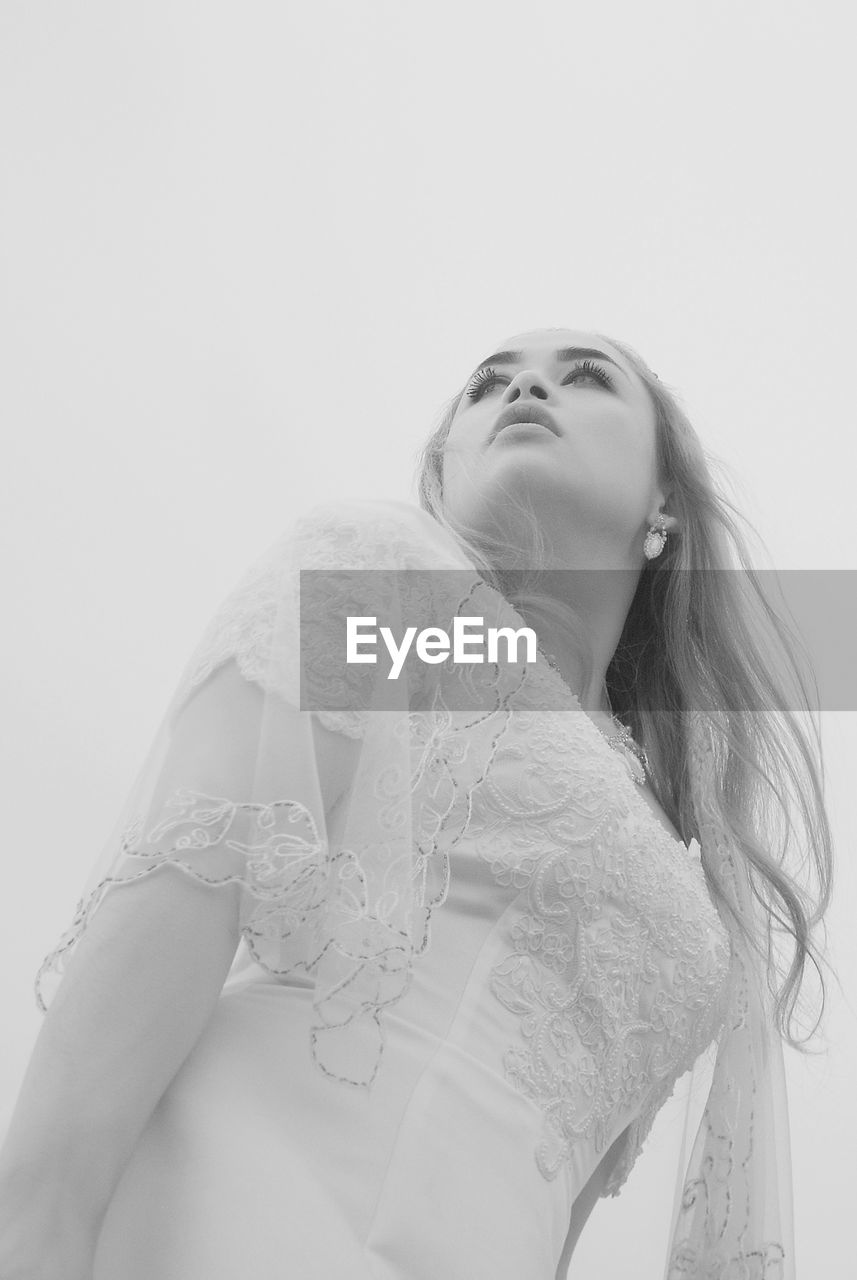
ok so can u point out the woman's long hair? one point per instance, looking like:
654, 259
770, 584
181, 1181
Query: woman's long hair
707, 640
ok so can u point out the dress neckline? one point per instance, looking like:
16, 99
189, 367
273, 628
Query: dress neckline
638, 804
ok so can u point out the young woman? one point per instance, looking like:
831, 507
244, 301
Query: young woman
389, 978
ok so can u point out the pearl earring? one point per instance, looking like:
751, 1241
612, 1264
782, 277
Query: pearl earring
655, 538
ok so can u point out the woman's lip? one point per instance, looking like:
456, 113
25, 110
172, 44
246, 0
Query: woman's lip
525, 413
537, 426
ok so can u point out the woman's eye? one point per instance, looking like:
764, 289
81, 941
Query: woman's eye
480, 382
486, 378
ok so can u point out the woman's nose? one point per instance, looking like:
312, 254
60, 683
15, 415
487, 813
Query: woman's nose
527, 382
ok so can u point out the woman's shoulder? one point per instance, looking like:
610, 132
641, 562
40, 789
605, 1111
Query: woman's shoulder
372, 533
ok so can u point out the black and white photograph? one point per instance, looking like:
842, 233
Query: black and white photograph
431, 585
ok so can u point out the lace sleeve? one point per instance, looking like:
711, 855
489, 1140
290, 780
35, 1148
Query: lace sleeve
733, 1213
201, 803
344, 549
233, 789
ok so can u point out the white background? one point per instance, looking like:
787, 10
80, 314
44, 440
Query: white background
250, 250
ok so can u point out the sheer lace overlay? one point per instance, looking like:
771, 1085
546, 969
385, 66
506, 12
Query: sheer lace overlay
617, 967
735, 1214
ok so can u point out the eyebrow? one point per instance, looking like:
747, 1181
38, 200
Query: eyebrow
564, 354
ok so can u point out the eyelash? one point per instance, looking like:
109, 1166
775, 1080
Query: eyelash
485, 377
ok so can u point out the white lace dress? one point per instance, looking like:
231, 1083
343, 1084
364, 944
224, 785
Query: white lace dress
576, 969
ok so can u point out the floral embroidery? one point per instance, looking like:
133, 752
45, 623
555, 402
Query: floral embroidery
620, 959
617, 960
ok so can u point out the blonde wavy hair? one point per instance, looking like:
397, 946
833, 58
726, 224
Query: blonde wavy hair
708, 640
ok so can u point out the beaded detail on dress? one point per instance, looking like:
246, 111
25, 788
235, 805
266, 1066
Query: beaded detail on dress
618, 959
619, 955
617, 962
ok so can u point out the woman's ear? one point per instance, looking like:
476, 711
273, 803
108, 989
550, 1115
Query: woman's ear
668, 522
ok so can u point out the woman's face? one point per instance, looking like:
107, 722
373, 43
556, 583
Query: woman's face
590, 477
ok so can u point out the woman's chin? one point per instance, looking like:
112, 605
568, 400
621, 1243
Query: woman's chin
531, 480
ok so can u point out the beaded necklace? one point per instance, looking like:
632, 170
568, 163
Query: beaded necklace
632, 753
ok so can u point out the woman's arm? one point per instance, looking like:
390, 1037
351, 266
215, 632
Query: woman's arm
139, 990
140, 987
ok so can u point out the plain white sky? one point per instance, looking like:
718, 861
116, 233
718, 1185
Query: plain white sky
249, 250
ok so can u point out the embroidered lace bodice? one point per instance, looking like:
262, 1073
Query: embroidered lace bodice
615, 956
614, 959
562, 963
